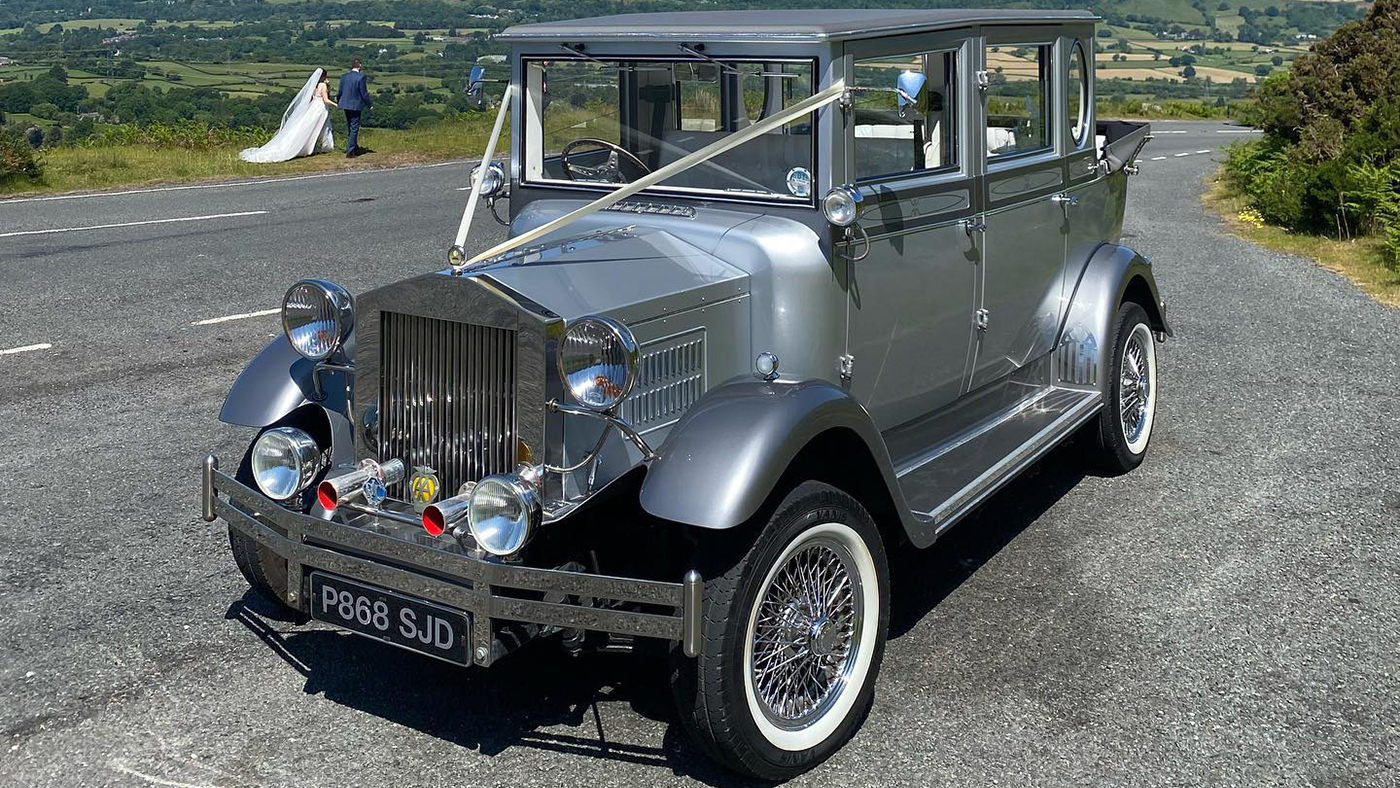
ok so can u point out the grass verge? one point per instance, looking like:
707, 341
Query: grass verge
83, 168
1361, 260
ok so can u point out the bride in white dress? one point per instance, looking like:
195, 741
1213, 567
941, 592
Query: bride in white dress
306, 125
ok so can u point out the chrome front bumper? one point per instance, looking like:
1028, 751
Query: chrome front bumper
364, 548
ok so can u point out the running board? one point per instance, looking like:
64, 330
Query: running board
951, 480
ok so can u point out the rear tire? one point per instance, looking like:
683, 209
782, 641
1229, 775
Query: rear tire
1118, 442
793, 633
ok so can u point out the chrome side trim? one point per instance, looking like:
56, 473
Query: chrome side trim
963, 501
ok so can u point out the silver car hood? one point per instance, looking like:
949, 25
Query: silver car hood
629, 273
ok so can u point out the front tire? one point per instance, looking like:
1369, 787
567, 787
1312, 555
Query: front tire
1123, 429
265, 571
793, 633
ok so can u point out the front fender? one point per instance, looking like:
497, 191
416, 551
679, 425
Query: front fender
278, 381
727, 454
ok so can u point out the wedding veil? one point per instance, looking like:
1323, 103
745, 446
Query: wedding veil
303, 118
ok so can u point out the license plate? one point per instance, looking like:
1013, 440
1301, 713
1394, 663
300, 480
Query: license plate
393, 618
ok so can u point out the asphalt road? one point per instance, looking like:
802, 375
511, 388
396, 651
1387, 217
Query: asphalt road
1226, 615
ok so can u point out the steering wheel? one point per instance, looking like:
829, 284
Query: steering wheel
608, 172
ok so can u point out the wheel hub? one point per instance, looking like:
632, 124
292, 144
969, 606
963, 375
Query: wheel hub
806, 634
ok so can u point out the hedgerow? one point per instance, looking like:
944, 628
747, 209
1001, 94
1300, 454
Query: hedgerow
1329, 160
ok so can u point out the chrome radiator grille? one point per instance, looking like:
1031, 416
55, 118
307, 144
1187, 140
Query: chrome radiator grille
447, 398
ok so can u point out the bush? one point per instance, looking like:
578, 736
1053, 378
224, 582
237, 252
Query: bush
18, 160
1329, 160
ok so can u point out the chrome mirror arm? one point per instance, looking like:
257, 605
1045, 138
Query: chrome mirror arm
612, 420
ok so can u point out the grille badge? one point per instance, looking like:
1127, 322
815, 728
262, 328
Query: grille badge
423, 487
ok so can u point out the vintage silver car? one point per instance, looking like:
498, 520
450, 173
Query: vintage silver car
783, 293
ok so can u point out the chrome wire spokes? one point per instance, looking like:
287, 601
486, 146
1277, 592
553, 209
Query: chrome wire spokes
1134, 390
807, 634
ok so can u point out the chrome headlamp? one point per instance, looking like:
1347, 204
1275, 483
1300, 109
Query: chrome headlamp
842, 206
503, 513
492, 179
284, 461
317, 316
598, 362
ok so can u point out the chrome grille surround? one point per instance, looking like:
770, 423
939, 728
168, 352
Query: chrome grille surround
438, 340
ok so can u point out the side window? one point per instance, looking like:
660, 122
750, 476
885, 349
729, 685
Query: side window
906, 115
1077, 94
1018, 99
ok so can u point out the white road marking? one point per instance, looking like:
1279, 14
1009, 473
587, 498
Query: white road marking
25, 349
1179, 155
244, 316
227, 184
133, 224
1238, 131
1207, 150
1158, 158
1178, 131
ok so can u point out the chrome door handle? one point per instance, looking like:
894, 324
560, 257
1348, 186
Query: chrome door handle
1065, 200
974, 225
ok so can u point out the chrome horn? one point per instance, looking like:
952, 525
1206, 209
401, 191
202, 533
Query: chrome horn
352, 484
447, 514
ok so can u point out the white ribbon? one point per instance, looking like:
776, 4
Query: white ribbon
612, 198
486, 158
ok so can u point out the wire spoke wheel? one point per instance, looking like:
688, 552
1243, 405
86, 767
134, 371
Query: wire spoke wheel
1137, 383
806, 633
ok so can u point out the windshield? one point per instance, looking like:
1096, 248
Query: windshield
611, 122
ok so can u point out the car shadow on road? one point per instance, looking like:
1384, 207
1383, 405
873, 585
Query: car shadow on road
526, 699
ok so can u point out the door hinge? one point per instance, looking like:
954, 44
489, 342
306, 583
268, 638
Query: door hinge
846, 366
984, 80
980, 319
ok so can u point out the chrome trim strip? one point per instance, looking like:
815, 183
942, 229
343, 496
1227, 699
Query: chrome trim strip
690, 624
963, 501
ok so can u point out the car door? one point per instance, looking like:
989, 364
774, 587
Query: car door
1025, 219
912, 265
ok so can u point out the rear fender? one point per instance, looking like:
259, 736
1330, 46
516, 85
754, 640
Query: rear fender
1111, 275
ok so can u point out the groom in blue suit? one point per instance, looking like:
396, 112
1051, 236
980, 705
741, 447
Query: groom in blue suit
353, 97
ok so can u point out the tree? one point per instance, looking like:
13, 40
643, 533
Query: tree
1189, 72
1263, 69
34, 136
1277, 60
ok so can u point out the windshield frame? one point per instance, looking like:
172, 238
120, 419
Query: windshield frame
525, 106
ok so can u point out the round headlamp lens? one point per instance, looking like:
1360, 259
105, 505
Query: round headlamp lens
502, 513
598, 362
317, 317
841, 206
284, 461
491, 179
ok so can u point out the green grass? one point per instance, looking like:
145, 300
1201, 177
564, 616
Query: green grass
69, 169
